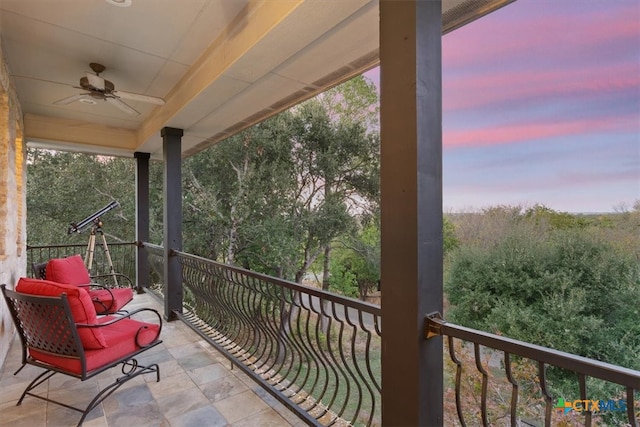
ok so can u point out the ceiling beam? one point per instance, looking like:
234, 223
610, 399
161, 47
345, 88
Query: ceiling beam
252, 24
78, 135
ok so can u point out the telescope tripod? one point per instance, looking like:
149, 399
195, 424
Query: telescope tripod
91, 246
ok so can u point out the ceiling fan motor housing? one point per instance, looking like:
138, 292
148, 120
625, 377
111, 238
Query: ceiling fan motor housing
90, 82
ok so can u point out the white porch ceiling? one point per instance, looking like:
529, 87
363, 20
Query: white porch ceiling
220, 65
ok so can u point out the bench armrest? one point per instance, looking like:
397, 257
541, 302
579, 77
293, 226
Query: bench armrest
118, 318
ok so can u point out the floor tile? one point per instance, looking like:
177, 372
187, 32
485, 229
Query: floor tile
176, 404
205, 416
170, 385
208, 373
196, 360
134, 406
30, 413
185, 350
59, 416
264, 418
245, 404
223, 388
167, 369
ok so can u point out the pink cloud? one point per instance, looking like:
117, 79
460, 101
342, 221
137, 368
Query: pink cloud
519, 132
531, 27
501, 86
565, 180
575, 179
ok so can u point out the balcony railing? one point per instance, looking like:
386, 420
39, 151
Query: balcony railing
316, 352
123, 256
320, 354
480, 347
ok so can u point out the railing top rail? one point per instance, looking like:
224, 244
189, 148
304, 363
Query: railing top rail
590, 367
319, 293
150, 245
323, 295
73, 245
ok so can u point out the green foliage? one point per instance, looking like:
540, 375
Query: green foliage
355, 266
343, 279
449, 239
68, 187
569, 291
354, 101
559, 220
237, 191
620, 229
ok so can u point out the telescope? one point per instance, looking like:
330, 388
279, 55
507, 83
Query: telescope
79, 227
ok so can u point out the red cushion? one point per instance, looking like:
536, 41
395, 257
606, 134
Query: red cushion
69, 270
80, 303
121, 341
110, 301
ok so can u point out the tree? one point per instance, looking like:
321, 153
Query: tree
236, 193
337, 161
67, 187
449, 240
354, 101
555, 219
569, 291
355, 270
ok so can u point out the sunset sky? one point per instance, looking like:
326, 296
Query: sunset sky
541, 104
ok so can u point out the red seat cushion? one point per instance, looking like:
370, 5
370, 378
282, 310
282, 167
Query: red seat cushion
70, 270
82, 308
120, 340
110, 301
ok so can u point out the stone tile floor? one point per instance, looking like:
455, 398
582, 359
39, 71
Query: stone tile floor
197, 388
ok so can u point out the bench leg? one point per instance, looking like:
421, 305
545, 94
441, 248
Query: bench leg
35, 383
130, 369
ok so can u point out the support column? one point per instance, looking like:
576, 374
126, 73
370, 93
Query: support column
411, 209
142, 219
172, 154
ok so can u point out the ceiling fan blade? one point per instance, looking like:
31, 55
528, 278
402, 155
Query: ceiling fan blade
138, 97
121, 105
72, 98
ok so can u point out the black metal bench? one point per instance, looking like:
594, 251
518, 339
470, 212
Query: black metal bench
51, 339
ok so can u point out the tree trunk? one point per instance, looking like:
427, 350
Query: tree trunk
325, 267
241, 173
326, 264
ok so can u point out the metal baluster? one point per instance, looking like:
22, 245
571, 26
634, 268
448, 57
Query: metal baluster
633, 421
582, 379
483, 396
454, 359
547, 397
371, 377
514, 388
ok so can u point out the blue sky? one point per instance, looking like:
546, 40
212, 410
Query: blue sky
541, 104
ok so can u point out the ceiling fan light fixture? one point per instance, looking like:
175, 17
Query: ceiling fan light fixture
88, 101
120, 3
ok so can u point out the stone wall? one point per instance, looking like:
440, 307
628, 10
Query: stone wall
13, 181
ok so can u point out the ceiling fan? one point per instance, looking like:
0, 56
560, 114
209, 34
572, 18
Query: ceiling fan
99, 88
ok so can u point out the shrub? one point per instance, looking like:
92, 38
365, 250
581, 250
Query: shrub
570, 291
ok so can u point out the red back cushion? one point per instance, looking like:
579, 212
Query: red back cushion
69, 270
82, 308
